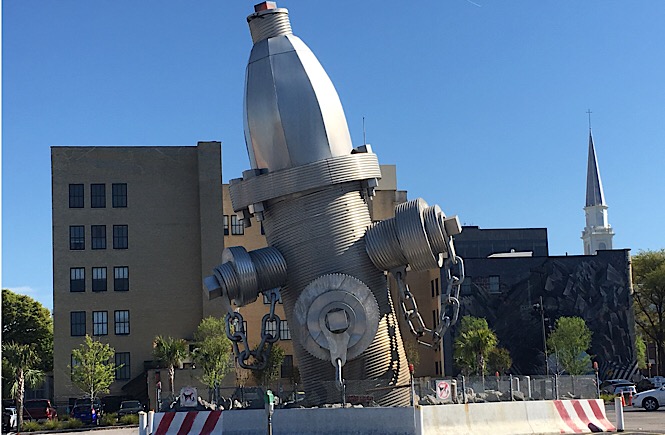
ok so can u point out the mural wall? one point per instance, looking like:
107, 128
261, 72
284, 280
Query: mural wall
596, 288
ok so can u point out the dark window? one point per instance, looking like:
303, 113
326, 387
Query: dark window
436, 285
465, 289
287, 366
100, 322
263, 231
77, 321
494, 284
119, 194
121, 278
98, 195
123, 366
98, 279
77, 237
76, 196
98, 236
237, 227
271, 328
77, 279
121, 322
284, 332
120, 237
226, 225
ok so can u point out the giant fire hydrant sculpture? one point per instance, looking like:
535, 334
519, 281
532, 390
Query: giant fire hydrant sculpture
309, 187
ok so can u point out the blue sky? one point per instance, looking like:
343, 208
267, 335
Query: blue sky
482, 108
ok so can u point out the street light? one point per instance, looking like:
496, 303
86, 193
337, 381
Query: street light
539, 307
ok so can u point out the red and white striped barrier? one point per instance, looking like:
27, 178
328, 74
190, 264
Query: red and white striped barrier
581, 416
192, 422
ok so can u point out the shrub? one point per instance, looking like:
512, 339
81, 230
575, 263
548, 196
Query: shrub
129, 419
52, 425
72, 423
108, 419
607, 398
30, 426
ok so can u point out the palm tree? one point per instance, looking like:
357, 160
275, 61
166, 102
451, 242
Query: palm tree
19, 360
170, 352
474, 344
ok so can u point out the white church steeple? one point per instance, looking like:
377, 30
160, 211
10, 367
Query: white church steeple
598, 233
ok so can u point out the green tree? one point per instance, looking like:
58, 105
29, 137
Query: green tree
271, 371
649, 296
26, 321
473, 345
569, 341
170, 352
93, 371
18, 363
213, 351
499, 360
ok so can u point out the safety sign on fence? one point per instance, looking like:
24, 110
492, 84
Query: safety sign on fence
443, 390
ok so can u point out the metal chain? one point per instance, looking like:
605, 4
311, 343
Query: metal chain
235, 331
450, 305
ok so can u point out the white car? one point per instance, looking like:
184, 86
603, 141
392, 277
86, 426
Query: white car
650, 399
9, 419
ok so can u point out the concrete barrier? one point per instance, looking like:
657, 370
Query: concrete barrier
514, 418
510, 418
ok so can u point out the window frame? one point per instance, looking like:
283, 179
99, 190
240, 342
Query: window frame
284, 331
122, 324
97, 285
494, 284
226, 225
98, 240
76, 283
119, 195
77, 237
103, 324
237, 226
97, 195
124, 359
75, 326
119, 280
76, 198
120, 237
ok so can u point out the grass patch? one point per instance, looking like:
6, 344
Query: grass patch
72, 423
51, 425
130, 419
108, 419
30, 426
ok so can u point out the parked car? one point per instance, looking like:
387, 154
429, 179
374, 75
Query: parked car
39, 409
9, 419
650, 399
625, 390
86, 413
616, 386
86, 401
128, 407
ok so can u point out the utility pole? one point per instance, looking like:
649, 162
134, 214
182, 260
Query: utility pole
541, 308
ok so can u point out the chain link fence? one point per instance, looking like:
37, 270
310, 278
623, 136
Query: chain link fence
423, 391
474, 389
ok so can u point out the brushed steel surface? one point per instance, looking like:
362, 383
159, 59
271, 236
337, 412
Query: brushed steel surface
293, 115
411, 234
337, 170
336, 292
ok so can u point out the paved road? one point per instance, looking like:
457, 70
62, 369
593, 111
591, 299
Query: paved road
640, 420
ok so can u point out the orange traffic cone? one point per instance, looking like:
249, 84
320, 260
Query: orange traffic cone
623, 401
630, 399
